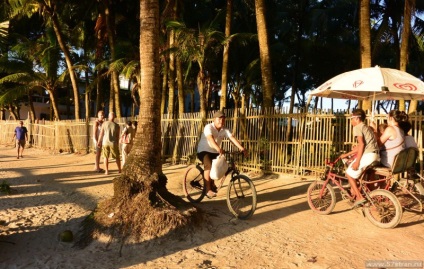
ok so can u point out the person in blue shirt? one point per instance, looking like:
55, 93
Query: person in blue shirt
21, 135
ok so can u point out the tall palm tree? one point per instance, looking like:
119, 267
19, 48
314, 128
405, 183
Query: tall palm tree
365, 40
266, 66
196, 45
224, 76
34, 65
141, 202
50, 12
404, 45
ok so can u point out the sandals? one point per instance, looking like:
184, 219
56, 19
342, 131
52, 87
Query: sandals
100, 170
211, 194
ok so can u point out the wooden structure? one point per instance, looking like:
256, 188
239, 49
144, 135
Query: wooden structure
277, 141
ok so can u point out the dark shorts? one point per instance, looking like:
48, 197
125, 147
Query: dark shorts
20, 143
206, 158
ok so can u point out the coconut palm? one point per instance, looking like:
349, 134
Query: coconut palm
228, 16
142, 204
266, 66
198, 45
33, 65
50, 10
406, 35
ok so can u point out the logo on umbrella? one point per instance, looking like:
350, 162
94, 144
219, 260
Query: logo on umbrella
406, 86
357, 83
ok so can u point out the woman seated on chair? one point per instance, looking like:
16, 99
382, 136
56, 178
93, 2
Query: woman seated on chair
410, 142
392, 140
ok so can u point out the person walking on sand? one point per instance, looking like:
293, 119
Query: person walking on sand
97, 126
21, 135
109, 141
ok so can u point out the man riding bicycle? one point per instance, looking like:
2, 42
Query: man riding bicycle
365, 152
210, 146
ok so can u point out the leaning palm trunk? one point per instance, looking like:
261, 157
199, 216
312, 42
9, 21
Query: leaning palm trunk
69, 64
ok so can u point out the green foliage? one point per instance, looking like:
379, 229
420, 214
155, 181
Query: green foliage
264, 154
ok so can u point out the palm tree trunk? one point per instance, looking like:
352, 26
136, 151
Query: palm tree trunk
180, 81
171, 75
164, 85
202, 94
54, 104
223, 101
110, 28
266, 69
365, 40
111, 97
406, 32
31, 108
69, 64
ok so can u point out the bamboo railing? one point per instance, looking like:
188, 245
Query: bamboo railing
314, 137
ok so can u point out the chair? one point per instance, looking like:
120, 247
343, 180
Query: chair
404, 161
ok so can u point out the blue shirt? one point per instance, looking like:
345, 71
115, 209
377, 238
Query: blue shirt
20, 132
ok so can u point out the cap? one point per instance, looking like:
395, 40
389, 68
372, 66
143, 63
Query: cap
219, 114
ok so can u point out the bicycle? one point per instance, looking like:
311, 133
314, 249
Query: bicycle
241, 192
382, 207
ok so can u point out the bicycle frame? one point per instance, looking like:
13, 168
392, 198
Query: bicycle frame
365, 182
232, 168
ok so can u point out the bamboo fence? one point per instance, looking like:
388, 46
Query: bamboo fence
279, 142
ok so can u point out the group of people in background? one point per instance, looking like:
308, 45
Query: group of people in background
376, 144
108, 139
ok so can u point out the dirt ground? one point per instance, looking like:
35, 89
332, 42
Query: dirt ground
54, 192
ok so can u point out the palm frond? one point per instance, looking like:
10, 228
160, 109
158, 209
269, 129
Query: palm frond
12, 93
131, 68
117, 65
4, 32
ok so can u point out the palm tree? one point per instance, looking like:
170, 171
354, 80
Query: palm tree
51, 14
365, 40
266, 66
194, 45
142, 204
406, 34
26, 77
228, 13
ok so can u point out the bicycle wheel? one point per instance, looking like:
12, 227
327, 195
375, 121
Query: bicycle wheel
241, 197
194, 184
384, 210
320, 200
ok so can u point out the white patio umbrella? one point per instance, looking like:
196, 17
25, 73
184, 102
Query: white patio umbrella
372, 83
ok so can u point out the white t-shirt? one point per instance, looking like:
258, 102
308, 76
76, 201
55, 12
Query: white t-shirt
217, 135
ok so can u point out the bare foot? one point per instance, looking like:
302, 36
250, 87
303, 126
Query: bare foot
106, 172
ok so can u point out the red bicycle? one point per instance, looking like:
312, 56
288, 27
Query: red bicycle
382, 207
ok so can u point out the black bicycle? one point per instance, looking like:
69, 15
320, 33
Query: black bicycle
241, 192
